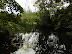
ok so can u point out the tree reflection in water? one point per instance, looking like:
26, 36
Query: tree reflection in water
29, 43
52, 46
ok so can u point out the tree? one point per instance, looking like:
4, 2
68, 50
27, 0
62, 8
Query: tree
60, 23
9, 22
63, 25
47, 9
11, 4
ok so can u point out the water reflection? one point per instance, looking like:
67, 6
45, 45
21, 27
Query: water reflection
53, 42
51, 45
28, 43
41, 42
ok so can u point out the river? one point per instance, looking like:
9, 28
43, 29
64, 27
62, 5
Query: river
29, 41
42, 41
32, 44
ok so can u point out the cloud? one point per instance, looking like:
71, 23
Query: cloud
27, 4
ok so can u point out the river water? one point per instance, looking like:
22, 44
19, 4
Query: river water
42, 41
30, 41
37, 43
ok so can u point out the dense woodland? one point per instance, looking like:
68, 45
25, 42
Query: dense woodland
49, 18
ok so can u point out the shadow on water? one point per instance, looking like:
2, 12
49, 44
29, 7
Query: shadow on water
50, 42
5, 44
62, 46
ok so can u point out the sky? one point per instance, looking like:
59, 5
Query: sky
27, 4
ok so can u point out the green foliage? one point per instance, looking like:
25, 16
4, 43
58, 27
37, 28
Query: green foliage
12, 4
59, 23
28, 24
57, 1
30, 15
13, 24
29, 20
50, 5
63, 19
53, 18
46, 11
9, 26
45, 18
8, 22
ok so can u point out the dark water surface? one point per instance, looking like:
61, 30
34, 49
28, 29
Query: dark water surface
61, 45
